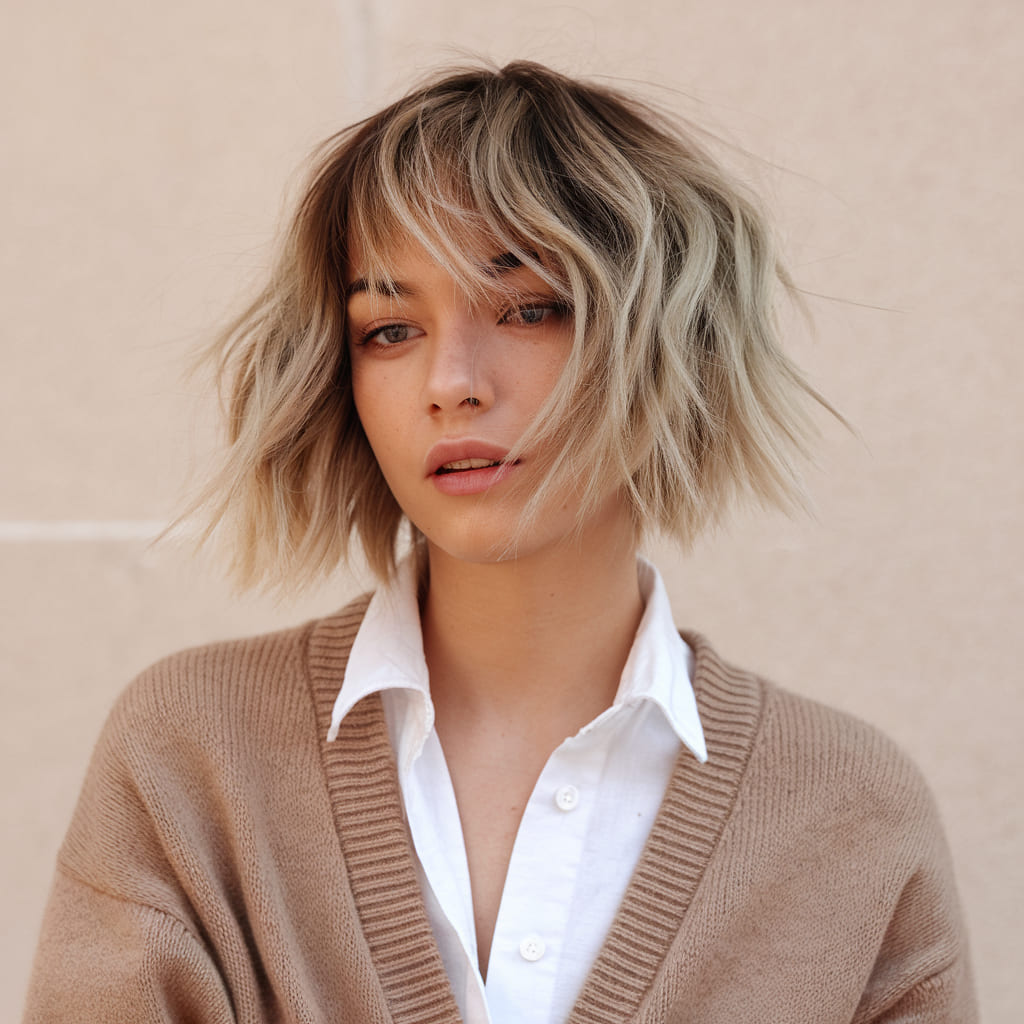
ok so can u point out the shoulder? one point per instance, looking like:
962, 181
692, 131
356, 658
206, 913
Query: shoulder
861, 825
832, 837
843, 762
815, 765
259, 682
198, 681
204, 746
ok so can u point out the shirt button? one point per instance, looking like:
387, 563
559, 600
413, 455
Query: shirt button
532, 948
567, 798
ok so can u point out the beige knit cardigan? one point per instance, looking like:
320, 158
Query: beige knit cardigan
227, 864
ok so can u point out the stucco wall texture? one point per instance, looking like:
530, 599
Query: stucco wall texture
145, 157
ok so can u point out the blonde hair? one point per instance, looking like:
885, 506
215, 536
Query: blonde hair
676, 389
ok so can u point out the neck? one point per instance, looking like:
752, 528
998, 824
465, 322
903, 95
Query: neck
542, 638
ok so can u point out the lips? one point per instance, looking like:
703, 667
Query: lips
463, 467
464, 455
459, 465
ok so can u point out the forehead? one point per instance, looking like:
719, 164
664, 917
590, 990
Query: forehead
375, 243
403, 263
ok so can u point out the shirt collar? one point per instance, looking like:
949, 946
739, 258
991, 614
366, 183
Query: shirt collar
388, 655
660, 665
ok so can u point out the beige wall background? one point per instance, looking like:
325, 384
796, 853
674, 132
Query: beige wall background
145, 152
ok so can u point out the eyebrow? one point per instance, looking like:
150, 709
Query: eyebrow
501, 264
505, 262
389, 289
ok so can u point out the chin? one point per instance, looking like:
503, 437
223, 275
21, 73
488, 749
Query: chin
492, 535
474, 547
487, 545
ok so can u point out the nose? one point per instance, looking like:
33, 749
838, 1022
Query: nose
459, 377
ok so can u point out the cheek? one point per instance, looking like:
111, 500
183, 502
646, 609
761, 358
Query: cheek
379, 411
369, 397
542, 381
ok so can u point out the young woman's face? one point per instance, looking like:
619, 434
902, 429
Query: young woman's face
444, 388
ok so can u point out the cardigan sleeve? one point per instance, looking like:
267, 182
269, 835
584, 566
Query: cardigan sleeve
945, 998
862, 874
922, 973
201, 878
104, 958
122, 937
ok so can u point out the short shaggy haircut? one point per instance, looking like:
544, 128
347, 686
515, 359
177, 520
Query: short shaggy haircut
675, 390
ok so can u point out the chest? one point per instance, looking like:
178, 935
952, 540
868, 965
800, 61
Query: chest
524, 869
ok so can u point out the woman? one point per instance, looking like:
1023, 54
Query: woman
528, 318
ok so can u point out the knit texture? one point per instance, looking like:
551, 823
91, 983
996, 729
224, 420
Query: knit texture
227, 863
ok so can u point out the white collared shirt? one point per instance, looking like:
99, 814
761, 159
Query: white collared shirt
583, 827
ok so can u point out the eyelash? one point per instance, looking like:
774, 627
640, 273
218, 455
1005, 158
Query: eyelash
368, 337
551, 307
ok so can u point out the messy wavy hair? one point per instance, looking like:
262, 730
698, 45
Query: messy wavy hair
675, 390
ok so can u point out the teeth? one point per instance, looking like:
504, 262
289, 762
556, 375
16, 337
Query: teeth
453, 467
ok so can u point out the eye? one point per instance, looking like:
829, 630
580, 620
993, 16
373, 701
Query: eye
532, 314
389, 334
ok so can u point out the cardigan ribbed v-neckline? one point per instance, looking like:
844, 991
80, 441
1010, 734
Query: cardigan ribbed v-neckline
363, 787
